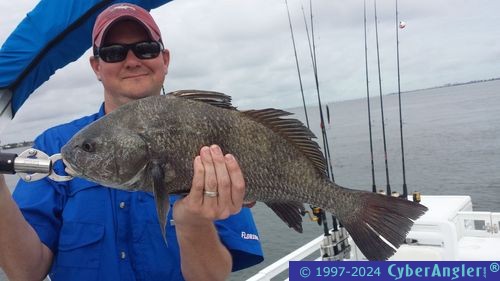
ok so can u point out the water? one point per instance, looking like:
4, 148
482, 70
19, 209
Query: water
452, 146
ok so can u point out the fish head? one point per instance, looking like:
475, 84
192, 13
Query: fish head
110, 155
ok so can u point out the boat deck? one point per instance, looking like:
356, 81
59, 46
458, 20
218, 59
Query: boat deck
479, 248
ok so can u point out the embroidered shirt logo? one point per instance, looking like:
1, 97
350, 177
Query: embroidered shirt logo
249, 236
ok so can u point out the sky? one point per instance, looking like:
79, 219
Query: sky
243, 48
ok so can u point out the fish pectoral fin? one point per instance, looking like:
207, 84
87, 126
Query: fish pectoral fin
162, 200
290, 212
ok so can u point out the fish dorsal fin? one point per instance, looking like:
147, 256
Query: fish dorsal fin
294, 131
210, 97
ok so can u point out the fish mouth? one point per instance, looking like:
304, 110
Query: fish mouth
69, 169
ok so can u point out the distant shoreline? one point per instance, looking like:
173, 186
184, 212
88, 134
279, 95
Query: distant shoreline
16, 145
408, 91
450, 85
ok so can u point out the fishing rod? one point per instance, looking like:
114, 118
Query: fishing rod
328, 114
374, 187
398, 26
320, 213
317, 213
312, 51
336, 246
297, 63
388, 190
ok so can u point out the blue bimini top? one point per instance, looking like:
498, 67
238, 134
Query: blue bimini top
99, 233
52, 35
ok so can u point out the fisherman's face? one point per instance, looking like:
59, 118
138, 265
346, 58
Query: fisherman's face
132, 78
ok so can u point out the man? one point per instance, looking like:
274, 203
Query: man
78, 230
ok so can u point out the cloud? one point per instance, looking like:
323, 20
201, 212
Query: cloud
244, 48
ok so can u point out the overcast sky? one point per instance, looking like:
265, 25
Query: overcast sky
243, 48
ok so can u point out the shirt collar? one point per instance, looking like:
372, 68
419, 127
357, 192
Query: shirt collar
101, 112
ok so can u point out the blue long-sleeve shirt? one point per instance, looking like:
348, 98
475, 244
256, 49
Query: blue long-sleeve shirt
100, 233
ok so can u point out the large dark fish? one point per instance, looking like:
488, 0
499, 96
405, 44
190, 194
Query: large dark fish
150, 144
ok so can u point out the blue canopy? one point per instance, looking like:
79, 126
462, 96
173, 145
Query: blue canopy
51, 36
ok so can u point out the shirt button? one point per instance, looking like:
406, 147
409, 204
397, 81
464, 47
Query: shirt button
123, 255
122, 204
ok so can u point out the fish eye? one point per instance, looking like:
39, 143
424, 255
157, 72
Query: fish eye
88, 146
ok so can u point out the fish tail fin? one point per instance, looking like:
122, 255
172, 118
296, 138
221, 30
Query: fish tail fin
370, 216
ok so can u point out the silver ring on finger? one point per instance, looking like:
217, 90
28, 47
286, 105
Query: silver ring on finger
210, 194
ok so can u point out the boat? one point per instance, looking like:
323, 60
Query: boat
450, 231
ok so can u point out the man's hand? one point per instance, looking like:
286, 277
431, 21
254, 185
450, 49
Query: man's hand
22, 256
216, 193
217, 190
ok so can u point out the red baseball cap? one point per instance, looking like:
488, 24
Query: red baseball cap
121, 11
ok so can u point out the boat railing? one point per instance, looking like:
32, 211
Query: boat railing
282, 264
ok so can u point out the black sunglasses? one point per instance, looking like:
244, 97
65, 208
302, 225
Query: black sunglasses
118, 52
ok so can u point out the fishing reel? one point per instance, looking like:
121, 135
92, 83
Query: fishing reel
316, 214
335, 244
